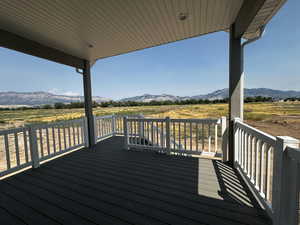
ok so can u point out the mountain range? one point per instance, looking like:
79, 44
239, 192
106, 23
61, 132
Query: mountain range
40, 98
219, 94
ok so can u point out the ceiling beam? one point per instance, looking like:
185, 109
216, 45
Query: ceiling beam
21, 44
246, 15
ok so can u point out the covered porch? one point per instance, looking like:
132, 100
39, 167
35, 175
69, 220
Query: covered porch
103, 183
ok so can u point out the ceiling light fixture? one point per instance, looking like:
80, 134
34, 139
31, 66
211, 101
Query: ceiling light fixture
182, 16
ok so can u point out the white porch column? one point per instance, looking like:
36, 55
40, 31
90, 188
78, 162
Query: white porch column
88, 103
236, 86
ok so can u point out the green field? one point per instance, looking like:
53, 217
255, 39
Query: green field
278, 118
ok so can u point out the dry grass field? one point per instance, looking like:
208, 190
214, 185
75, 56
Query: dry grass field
278, 118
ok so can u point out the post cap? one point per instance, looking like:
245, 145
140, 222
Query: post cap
237, 119
290, 141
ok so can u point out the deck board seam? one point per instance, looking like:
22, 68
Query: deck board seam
13, 215
32, 208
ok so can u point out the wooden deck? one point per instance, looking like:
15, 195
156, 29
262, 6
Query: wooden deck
114, 186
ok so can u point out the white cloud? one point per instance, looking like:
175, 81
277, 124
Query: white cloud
71, 93
60, 92
53, 91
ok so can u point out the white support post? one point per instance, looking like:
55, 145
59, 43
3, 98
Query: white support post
236, 86
287, 189
168, 136
88, 104
126, 136
33, 147
224, 136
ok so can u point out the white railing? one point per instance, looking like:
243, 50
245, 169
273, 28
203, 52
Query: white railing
110, 125
261, 160
176, 136
254, 155
25, 146
56, 138
200, 136
144, 132
31, 145
104, 126
15, 153
118, 127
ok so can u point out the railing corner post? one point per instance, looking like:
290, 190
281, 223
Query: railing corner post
232, 140
95, 129
235, 135
113, 124
223, 124
281, 183
168, 136
224, 135
126, 136
86, 132
34, 147
141, 126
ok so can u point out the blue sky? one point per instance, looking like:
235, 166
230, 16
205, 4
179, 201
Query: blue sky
190, 67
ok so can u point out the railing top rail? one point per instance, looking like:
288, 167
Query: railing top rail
146, 119
13, 130
269, 139
129, 116
45, 125
117, 116
196, 120
104, 117
293, 153
207, 121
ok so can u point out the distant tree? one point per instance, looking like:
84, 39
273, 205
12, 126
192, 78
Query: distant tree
59, 105
47, 106
74, 105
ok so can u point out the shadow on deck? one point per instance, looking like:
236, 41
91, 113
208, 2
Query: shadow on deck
114, 186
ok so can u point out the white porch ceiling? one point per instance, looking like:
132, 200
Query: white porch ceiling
95, 29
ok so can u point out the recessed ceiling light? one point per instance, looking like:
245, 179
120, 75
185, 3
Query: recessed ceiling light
182, 16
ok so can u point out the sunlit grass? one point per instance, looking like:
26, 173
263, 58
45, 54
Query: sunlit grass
271, 112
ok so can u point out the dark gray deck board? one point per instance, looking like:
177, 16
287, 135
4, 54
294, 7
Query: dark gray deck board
9, 219
20, 211
113, 186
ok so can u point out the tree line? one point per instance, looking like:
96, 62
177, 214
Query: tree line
74, 105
